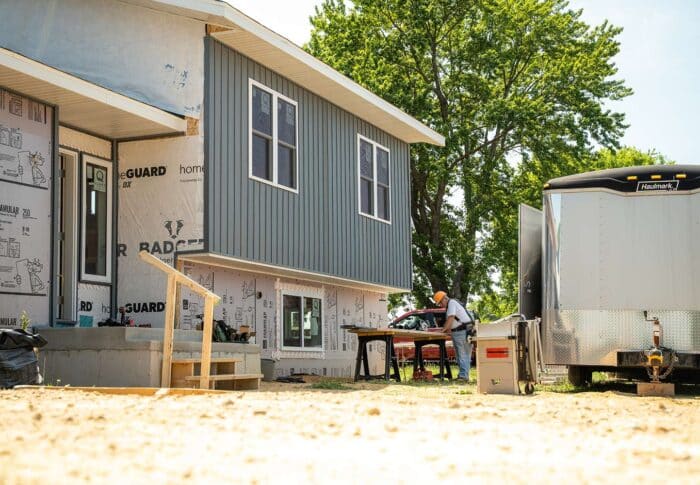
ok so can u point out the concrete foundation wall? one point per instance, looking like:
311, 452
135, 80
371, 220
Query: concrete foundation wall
125, 357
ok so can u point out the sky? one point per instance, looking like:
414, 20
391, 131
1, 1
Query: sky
658, 59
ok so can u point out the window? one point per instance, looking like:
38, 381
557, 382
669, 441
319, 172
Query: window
374, 189
96, 220
302, 322
273, 137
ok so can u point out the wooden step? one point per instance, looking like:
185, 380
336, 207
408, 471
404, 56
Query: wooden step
226, 377
190, 368
229, 382
214, 360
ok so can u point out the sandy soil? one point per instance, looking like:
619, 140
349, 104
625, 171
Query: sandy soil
371, 433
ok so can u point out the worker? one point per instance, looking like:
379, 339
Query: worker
457, 320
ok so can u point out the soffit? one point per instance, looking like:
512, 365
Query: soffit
84, 105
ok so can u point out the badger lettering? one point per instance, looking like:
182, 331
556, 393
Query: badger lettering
166, 247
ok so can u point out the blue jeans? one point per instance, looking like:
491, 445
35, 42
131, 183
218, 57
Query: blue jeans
463, 351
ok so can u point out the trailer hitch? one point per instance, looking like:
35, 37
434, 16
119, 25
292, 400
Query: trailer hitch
657, 360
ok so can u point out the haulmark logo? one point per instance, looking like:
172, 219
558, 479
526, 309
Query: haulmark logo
660, 186
173, 230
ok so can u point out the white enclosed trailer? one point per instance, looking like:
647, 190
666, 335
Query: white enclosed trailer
615, 247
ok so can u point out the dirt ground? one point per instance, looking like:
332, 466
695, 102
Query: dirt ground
366, 433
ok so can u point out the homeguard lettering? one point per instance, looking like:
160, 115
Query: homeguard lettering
145, 307
190, 169
141, 172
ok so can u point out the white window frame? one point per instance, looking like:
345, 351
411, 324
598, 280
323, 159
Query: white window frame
288, 291
86, 277
375, 182
275, 140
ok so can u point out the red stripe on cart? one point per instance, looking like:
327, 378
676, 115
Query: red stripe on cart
497, 352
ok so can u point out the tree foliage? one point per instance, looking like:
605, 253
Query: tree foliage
517, 88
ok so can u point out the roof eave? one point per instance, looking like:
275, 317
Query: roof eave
351, 96
85, 105
423, 134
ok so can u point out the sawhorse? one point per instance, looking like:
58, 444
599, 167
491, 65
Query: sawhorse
418, 362
389, 358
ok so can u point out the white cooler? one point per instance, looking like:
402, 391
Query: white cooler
497, 356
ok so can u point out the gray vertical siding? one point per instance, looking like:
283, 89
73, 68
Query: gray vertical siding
319, 229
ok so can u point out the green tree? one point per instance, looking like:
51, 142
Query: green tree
505, 81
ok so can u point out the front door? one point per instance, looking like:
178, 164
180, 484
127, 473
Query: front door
530, 262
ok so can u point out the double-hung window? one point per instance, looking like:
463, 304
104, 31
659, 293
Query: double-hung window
374, 186
302, 326
96, 223
273, 137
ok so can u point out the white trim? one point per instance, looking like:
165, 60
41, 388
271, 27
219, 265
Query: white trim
300, 67
59, 82
343, 85
375, 146
302, 292
85, 277
229, 262
77, 222
307, 290
273, 108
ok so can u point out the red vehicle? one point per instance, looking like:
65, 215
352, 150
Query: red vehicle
429, 320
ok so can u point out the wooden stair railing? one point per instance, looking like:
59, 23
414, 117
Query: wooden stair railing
176, 278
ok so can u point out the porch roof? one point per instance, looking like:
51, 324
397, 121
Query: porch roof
229, 262
84, 105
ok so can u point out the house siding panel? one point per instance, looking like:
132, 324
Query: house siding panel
319, 228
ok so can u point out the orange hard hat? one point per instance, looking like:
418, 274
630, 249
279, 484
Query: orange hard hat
438, 296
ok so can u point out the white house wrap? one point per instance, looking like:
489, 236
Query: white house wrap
26, 167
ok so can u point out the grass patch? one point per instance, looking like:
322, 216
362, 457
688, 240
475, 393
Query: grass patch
330, 385
465, 391
406, 373
603, 382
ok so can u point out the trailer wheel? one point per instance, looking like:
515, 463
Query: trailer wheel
529, 388
580, 375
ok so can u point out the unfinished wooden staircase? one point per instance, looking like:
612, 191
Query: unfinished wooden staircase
222, 374
202, 372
